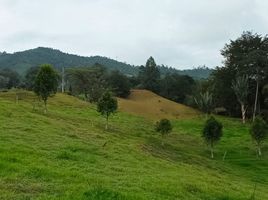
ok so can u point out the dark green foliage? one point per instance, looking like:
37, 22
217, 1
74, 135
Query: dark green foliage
46, 83
22, 61
107, 105
164, 127
176, 87
259, 132
119, 84
150, 76
245, 56
9, 78
30, 77
90, 81
212, 132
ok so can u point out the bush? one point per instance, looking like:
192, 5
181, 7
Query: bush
164, 127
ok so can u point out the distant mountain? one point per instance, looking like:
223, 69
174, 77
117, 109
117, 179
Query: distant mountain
21, 61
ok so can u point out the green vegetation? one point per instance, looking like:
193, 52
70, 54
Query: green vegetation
46, 83
245, 56
22, 61
259, 132
212, 133
163, 127
67, 154
107, 105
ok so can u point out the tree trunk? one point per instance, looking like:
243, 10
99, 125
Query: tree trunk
45, 111
211, 150
243, 110
259, 150
106, 126
256, 101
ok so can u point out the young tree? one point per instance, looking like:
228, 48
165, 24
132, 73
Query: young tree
212, 133
259, 132
240, 87
164, 127
46, 83
107, 105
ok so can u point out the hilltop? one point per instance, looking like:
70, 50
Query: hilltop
21, 61
67, 154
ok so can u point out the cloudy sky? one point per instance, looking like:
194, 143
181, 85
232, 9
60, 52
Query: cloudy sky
178, 33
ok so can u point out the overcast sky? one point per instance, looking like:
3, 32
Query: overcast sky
178, 33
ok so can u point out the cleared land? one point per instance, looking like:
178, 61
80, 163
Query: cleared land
67, 154
150, 105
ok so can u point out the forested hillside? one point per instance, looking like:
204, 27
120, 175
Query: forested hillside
21, 61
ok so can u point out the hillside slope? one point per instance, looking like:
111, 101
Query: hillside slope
21, 61
67, 154
150, 105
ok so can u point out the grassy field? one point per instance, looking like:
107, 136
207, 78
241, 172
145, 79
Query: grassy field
67, 154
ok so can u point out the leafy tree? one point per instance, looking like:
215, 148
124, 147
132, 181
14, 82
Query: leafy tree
46, 83
176, 87
240, 87
259, 132
119, 83
247, 55
212, 133
204, 102
164, 127
90, 81
3, 82
30, 77
11, 78
107, 105
150, 76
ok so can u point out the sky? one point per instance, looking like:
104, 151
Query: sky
178, 33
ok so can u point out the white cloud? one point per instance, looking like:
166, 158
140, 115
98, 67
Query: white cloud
179, 33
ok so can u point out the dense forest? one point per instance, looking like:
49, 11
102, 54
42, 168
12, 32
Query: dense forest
21, 61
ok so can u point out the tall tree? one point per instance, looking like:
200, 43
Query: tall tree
119, 84
150, 76
240, 87
247, 55
107, 105
46, 83
212, 133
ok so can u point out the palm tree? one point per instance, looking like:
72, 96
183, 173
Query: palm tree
240, 87
204, 102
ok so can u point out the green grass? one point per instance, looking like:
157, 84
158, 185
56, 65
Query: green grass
67, 154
